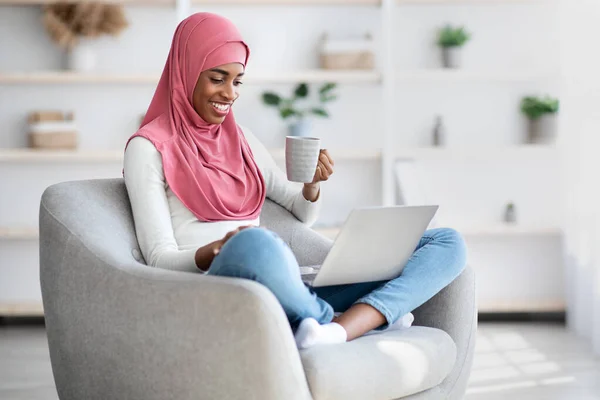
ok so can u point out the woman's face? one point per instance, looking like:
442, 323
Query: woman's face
216, 90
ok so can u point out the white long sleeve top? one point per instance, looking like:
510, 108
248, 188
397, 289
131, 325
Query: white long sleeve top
169, 233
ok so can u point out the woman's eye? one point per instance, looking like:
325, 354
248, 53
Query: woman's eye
238, 83
215, 80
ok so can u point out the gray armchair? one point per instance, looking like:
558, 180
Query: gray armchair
118, 329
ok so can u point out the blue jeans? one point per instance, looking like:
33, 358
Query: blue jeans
261, 255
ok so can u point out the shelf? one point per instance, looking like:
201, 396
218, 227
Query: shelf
28, 309
19, 233
508, 230
266, 77
280, 2
491, 230
66, 77
123, 2
521, 306
43, 156
502, 153
88, 156
206, 2
314, 76
441, 75
469, 2
290, 2
35, 309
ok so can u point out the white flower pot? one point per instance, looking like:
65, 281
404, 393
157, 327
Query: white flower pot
82, 57
302, 128
452, 57
543, 129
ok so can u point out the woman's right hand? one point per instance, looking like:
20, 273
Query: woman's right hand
220, 243
206, 254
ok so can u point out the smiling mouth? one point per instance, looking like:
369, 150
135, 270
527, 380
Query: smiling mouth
221, 107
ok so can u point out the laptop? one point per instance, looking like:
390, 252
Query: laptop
374, 244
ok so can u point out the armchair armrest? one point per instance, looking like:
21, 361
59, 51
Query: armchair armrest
454, 310
309, 247
118, 329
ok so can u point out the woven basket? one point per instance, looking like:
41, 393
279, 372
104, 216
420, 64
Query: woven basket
54, 140
347, 54
358, 60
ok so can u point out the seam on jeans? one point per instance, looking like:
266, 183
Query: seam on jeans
469, 344
379, 306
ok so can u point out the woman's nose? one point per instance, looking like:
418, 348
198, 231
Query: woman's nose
229, 92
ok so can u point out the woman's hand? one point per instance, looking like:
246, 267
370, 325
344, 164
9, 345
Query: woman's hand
220, 243
323, 172
206, 254
324, 167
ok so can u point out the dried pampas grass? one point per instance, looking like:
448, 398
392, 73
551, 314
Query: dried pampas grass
66, 22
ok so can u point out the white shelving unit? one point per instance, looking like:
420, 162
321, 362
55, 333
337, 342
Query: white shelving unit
386, 78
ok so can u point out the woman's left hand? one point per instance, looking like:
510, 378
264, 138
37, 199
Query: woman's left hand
324, 167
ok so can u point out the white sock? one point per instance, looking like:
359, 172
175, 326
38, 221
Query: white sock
310, 333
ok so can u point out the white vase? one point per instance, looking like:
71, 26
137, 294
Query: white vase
301, 128
543, 130
452, 57
82, 57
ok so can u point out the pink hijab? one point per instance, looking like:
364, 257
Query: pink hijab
209, 167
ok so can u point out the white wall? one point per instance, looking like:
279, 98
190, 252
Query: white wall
506, 38
581, 90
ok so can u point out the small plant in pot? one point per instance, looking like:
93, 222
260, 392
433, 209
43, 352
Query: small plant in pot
289, 110
541, 115
451, 40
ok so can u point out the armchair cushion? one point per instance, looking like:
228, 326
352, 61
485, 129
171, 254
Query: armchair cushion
383, 366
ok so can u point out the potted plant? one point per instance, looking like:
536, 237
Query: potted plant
451, 40
541, 115
288, 108
72, 26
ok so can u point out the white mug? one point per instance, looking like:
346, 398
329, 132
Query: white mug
301, 158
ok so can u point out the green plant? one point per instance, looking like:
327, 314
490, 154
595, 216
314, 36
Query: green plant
450, 36
534, 107
288, 108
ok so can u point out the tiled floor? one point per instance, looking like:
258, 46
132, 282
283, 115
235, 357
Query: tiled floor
531, 362
524, 361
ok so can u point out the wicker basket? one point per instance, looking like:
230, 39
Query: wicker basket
358, 60
52, 129
347, 54
54, 140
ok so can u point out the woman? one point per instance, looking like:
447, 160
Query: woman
197, 183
